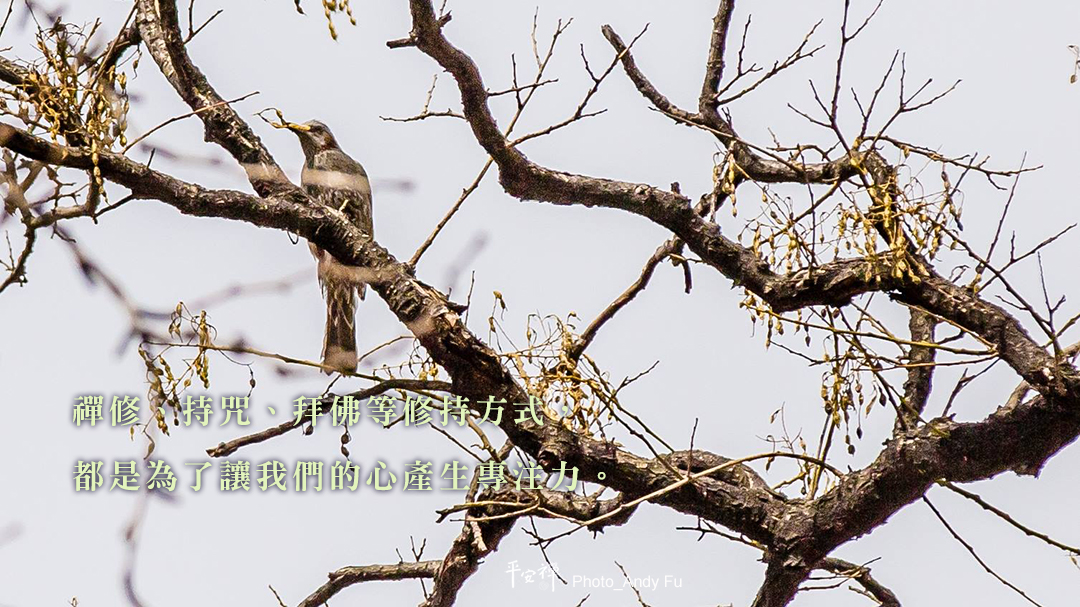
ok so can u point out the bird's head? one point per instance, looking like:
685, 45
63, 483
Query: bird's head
314, 137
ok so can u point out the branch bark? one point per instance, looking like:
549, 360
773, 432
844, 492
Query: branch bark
798, 534
159, 27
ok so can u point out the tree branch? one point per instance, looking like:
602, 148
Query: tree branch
159, 26
861, 574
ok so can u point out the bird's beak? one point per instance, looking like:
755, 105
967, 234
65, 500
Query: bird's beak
297, 128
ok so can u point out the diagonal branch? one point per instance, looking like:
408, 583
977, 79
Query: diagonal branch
159, 26
348, 576
975, 555
831, 284
708, 102
669, 248
782, 579
752, 165
644, 86
861, 575
920, 375
476, 370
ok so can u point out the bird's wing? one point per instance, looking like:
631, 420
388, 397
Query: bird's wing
340, 182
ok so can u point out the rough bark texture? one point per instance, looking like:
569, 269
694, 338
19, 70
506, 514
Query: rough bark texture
798, 535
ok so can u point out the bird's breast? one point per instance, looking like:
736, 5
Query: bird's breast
335, 180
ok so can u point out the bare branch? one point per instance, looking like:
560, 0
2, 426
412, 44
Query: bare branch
347, 576
1008, 518
861, 575
975, 555
160, 30
920, 374
669, 248
708, 101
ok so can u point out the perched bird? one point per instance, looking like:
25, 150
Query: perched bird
334, 179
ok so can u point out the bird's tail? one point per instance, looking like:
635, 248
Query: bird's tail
339, 343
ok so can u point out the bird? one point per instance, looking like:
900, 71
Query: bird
333, 178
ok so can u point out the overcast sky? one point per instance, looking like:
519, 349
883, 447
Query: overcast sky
61, 338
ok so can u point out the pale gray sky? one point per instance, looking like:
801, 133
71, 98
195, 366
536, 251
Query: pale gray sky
60, 339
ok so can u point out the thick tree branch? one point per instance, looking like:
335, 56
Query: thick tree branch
798, 534
488, 521
708, 103
831, 284
910, 463
644, 86
920, 374
159, 26
782, 578
751, 164
476, 370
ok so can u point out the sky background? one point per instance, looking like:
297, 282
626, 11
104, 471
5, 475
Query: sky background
61, 338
